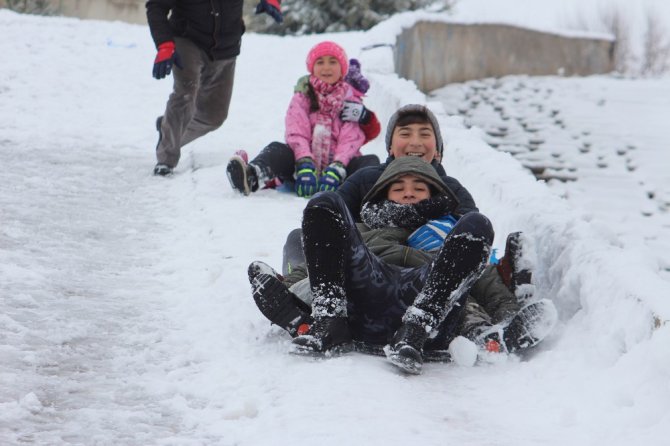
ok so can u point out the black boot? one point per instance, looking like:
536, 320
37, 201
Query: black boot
526, 329
516, 276
162, 170
406, 348
276, 302
530, 325
327, 336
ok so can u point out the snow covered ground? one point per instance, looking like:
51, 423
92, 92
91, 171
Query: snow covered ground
125, 312
598, 141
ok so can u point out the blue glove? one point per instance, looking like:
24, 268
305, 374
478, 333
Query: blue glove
430, 237
332, 176
272, 8
305, 177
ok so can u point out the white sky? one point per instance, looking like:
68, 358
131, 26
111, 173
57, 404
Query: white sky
125, 311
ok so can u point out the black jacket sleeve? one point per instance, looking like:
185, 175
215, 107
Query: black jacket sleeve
465, 201
157, 18
356, 186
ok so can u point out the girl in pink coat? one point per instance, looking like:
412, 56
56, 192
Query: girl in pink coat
323, 132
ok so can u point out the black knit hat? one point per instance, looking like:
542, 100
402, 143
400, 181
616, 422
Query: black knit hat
414, 109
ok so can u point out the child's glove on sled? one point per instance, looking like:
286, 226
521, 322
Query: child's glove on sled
332, 176
305, 177
271, 8
430, 237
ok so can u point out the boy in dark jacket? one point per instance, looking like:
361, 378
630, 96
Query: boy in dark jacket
377, 272
413, 130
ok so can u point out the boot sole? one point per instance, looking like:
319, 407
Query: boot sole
407, 365
404, 363
531, 325
163, 172
520, 276
275, 301
442, 356
338, 350
237, 175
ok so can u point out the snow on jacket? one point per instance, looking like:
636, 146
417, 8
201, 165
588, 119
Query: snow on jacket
216, 26
389, 242
489, 300
346, 137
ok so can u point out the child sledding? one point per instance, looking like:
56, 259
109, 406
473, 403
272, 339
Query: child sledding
368, 285
326, 125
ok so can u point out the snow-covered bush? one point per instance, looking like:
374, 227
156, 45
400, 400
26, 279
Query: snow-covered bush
642, 40
39, 7
656, 51
317, 16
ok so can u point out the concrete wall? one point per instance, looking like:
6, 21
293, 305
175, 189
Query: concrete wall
434, 54
131, 11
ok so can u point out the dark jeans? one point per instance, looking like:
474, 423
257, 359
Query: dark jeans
276, 160
377, 294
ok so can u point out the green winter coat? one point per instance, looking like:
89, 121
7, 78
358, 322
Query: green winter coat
489, 301
389, 243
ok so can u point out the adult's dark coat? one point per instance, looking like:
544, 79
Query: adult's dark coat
216, 26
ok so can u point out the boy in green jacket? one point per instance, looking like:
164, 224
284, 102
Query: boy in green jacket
490, 314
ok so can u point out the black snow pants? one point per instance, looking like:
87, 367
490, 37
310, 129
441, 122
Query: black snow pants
348, 280
276, 160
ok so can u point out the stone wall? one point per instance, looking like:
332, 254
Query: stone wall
434, 54
130, 11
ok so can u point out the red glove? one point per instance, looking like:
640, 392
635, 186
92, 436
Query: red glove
372, 128
164, 59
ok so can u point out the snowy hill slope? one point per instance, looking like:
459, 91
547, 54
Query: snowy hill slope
125, 313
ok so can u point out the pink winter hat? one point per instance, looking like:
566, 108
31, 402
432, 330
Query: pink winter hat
327, 48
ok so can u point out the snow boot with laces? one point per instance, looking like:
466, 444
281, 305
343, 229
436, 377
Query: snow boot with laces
328, 336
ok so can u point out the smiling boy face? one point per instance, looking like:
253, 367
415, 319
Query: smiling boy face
417, 139
408, 189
